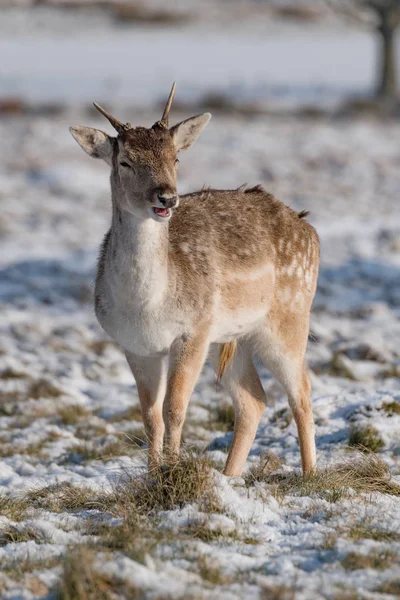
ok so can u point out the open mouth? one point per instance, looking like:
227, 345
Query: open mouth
162, 212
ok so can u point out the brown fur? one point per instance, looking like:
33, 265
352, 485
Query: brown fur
231, 268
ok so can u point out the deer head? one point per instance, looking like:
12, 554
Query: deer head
143, 161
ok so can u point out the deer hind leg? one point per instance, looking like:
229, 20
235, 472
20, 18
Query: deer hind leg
282, 350
150, 374
249, 400
187, 356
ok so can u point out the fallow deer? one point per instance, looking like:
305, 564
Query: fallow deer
224, 274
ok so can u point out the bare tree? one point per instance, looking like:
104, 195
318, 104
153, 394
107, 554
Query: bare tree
384, 16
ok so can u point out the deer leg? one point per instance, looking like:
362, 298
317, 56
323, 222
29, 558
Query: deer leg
243, 383
283, 351
300, 403
150, 374
187, 358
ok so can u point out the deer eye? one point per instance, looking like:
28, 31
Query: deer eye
125, 164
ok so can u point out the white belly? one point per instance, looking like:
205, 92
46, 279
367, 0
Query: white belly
140, 333
236, 324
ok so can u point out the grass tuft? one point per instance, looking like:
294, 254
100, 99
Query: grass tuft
91, 450
80, 581
13, 508
365, 438
43, 388
374, 560
223, 417
391, 408
62, 497
71, 414
16, 535
188, 479
365, 529
390, 587
277, 592
211, 572
267, 464
133, 413
364, 473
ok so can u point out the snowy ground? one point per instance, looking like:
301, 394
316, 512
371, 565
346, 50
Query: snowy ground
69, 407
69, 413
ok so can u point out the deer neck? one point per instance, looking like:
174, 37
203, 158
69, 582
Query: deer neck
140, 256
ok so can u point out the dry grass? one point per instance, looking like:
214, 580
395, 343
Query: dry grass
366, 529
390, 587
277, 592
365, 438
80, 581
83, 579
10, 373
267, 464
211, 572
282, 417
13, 508
33, 450
202, 529
391, 408
133, 413
92, 450
188, 479
43, 388
222, 418
138, 13
16, 535
63, 497
339, 366
364, 473
330, 539
71, 414
374, 560
18, 569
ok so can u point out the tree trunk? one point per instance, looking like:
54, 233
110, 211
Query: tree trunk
387, 87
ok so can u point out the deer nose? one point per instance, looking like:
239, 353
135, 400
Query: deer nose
168, 201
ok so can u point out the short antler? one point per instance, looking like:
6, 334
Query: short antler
164, 118
118, 126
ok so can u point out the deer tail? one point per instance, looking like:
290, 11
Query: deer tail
226, 354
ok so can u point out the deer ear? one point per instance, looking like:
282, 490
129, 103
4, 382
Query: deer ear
186, 133
93, 141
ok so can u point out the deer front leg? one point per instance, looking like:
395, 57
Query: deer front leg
150, 374
187, 356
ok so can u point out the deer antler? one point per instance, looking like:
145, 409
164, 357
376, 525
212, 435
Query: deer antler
164, 118
118, 126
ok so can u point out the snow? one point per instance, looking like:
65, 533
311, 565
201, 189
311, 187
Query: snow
55, 210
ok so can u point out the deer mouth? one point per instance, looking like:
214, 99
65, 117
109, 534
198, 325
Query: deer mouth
162, 212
